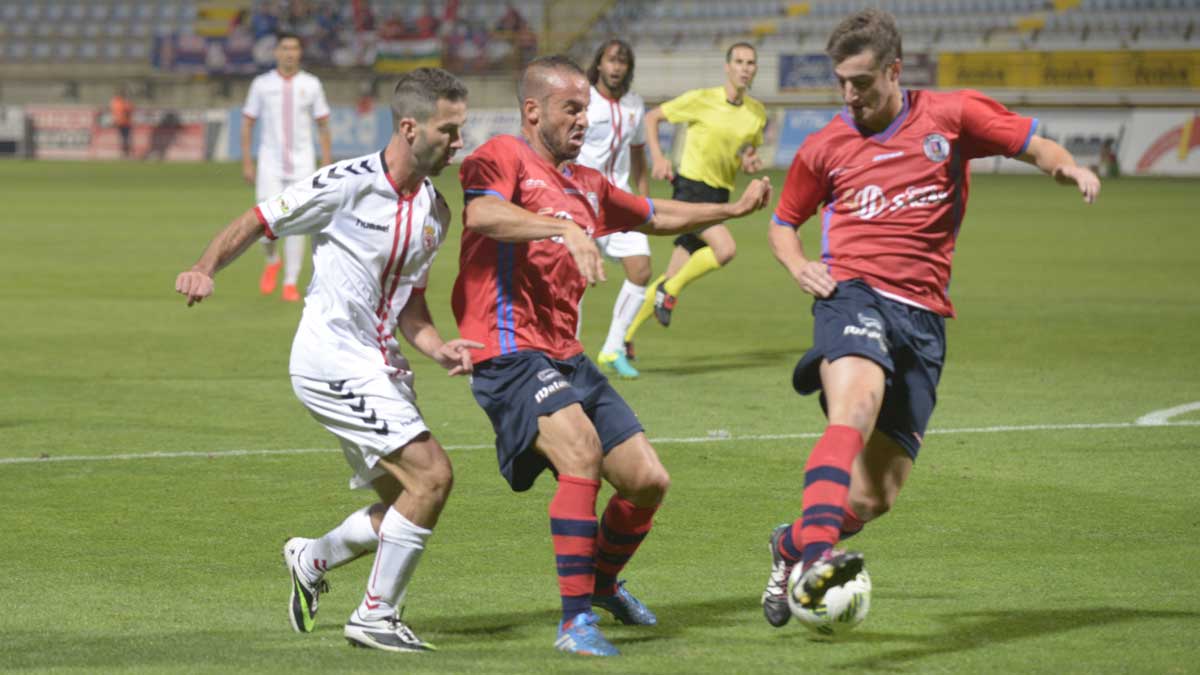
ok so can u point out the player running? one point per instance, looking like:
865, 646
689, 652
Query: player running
286, 101
724, 129
527, 255
377, 223
614, 146
890, 174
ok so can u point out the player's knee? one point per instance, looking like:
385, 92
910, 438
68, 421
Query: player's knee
579, 454
433, 484
725, 254
640, 275
870, 507
648, 487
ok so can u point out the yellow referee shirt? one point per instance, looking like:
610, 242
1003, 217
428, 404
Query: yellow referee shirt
716, 131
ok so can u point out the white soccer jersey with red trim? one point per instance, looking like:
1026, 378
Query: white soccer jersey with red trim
372, 249
615, 129
285, 108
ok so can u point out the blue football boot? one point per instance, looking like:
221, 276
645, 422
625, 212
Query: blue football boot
625, 608
580, 636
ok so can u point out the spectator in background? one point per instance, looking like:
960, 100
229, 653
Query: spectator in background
264, 21
427, 24
394, 28
122, 118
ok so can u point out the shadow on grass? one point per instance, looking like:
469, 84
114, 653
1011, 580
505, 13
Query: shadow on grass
739, 360
973, 630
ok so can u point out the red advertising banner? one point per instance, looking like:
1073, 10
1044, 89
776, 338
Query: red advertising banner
83, 132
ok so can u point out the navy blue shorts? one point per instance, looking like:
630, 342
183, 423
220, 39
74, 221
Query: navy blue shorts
909, 343
516, 389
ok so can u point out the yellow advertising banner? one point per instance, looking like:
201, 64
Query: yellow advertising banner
1162, 69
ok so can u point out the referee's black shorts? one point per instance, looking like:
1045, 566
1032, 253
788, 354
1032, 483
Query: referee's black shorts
688, 190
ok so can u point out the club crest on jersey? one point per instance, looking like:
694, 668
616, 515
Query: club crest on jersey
428, 237
548, 374
936, 147
283, 206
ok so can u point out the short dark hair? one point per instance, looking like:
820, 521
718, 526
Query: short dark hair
872, 29
736, 45
525, 86
286, 35
624, 51
417, 92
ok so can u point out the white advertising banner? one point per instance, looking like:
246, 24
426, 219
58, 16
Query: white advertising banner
1162, 142
1094, 137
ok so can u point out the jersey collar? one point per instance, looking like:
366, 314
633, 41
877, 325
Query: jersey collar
886, 134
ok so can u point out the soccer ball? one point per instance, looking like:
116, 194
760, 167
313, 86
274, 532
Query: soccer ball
841, 610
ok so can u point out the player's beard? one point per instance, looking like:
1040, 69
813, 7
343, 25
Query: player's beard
560, 149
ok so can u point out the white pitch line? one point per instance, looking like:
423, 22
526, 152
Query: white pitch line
1160, 417
717, 437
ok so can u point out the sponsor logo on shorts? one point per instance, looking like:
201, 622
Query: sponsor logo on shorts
548, 374
870, 328
370, 226
548, 390
936, 147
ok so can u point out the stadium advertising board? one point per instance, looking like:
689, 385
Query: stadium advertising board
14, 132
1159, 69
1162, 142
800, 72
795, 126
805, 71
83, 132
1093, 137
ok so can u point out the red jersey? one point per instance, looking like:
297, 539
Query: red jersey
894, 201
526, 296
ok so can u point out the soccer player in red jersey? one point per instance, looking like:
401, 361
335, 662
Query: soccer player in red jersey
890, 177
527, 256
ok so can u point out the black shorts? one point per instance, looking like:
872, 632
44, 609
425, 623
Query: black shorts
516, 389
688, 190
909, 343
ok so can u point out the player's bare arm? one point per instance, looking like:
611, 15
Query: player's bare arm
674, 217
249, 170
197, 282
416, 325
660, 166
1054, 160
504, 221
637, 170
326, 139
811, 275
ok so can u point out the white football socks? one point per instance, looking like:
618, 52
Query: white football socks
400, 546
349, 540
293, 258
629, 301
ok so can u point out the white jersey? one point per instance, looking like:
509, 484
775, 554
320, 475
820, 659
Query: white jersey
285, 108
613, 128
372, 249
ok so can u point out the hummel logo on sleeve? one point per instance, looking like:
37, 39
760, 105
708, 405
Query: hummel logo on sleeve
362, 405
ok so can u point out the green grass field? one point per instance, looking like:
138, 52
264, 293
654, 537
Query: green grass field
1042, 529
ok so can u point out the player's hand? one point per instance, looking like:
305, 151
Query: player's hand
751, 162
756, 196
455, 356
1088, 182
195, 285
662, 169
814, 279
586, 255
249, 172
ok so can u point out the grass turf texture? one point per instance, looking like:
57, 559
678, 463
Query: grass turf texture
1059, 550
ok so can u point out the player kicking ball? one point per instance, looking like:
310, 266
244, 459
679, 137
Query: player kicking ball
890, 174
527, 256
377, 223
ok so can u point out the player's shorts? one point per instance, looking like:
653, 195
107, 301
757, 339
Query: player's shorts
516, 389
688, 190
908, 342
372, 417
620, 245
